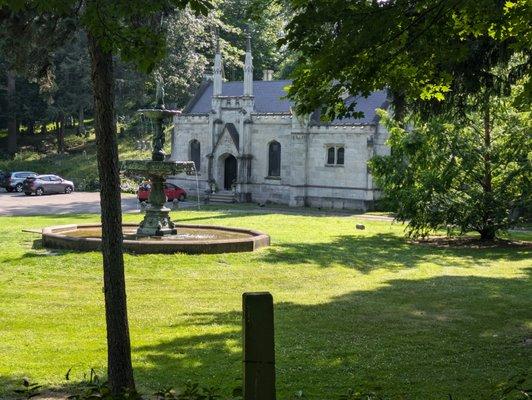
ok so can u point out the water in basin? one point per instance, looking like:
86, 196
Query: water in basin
183, 234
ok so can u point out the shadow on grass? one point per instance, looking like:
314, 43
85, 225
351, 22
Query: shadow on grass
239, 211
39, 251
383, 250
418, 339
414, 339
59, 392
410, 339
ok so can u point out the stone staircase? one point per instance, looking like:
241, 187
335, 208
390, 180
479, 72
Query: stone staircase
226, 197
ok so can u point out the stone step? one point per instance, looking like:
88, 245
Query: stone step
221, 198
221, 201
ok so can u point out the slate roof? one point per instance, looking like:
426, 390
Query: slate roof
270, 98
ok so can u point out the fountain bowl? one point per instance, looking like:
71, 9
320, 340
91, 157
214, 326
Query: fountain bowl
191, 239
158, 113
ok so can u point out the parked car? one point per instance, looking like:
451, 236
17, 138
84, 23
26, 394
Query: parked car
2, 177
13, 181
171, 191
47, 184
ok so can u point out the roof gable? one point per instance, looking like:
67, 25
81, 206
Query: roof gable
229, 129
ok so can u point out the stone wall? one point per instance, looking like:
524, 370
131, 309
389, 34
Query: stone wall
306, 178
264, 130
186, 129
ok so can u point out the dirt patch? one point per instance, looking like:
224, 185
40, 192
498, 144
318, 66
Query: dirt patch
471, 242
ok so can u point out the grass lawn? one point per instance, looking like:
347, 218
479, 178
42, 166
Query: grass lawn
362, 309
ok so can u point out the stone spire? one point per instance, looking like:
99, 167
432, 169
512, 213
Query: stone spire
248, 67
217, 70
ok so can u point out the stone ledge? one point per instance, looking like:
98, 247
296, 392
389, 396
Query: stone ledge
55, 237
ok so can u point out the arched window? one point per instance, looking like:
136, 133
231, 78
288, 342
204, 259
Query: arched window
195, 153
274, 159
330, 155
340, 155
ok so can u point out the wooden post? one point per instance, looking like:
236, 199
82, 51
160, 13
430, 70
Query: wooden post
259, 352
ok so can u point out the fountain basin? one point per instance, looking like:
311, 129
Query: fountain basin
192, 239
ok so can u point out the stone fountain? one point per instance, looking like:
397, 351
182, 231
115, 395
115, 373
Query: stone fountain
157, 220
157, 233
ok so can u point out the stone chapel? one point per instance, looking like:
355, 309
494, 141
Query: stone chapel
244, 137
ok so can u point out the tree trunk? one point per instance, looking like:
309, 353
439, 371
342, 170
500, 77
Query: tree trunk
81, 122
120, 370
31, 127
12, 115
44, 131
488, 230
399, 106
61, 133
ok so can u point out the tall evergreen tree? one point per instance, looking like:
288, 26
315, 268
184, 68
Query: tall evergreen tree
72, 92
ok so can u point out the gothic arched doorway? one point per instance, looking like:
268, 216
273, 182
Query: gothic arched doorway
230, 167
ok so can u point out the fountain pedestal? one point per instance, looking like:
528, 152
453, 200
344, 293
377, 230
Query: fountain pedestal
157, 221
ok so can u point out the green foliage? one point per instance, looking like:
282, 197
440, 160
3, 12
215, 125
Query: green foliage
443, 175
28, 390
353, 394
98, 389
192, 391
71, 93
190, 45
128, 185
186, 38
133, 29
426, 51
264, 29
72, 141
515, 388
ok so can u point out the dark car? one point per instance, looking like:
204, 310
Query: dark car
171, 191
13, 181
47, 184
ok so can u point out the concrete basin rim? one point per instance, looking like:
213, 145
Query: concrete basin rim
58, 231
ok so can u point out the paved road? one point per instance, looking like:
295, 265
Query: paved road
89, 203
77, 202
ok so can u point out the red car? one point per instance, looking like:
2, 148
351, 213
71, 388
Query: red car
171, 191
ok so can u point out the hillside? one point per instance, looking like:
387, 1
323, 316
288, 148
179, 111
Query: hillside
37, 153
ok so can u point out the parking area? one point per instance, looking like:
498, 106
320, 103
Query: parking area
78, 202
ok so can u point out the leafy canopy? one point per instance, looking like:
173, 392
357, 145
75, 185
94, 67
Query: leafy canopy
131, 29
422, 49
